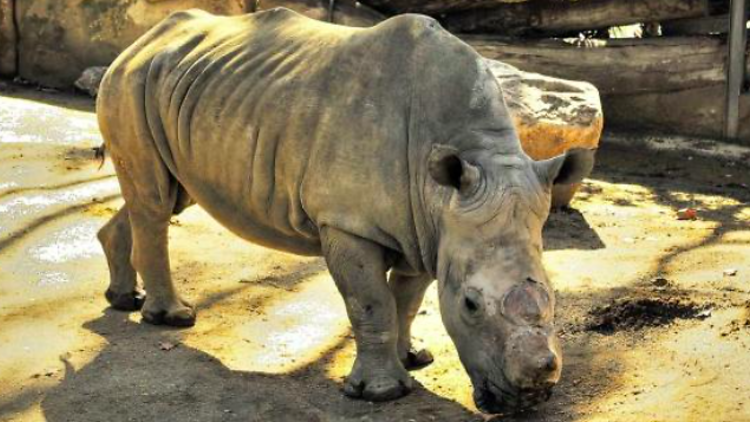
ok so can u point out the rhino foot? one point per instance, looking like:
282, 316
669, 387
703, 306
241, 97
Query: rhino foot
180, 314
131, 301
377, 386
417, 359
381, 388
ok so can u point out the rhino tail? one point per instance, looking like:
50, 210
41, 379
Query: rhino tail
100, 154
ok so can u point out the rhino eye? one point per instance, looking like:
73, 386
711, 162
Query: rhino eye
472, 302
470, 305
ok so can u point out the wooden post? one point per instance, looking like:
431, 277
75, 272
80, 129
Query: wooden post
735, 67
8, 39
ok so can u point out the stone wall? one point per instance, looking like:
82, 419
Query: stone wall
59, 39
693, 112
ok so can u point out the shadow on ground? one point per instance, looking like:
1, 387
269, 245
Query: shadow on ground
132, 378
567, 228
69, 100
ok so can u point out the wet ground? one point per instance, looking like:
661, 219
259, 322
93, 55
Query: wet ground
654, 311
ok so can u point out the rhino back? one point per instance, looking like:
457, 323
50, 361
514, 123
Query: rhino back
278, 125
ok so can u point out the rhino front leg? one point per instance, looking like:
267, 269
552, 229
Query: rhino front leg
358, 268
123, 292
409, 292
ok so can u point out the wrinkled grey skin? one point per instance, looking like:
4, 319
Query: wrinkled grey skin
382, 149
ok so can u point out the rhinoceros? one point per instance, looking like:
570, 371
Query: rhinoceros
388, 150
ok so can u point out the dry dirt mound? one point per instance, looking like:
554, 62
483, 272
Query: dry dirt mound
637, 313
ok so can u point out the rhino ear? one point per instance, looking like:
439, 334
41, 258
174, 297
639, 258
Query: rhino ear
447, 168
566, 169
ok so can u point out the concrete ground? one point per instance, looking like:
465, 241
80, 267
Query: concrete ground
654, 312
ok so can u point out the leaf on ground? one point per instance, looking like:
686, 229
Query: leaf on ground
167, 345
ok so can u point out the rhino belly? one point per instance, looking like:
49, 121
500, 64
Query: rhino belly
247, 222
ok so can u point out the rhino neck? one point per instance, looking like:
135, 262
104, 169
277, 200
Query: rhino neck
426, 204
458, 102
430, 200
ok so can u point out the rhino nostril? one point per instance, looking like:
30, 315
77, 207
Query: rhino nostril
548, 363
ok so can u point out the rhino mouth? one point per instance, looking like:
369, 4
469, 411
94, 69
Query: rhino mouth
493, 398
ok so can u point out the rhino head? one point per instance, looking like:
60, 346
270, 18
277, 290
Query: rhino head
496, 301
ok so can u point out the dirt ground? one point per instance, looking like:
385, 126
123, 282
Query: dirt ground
654, 312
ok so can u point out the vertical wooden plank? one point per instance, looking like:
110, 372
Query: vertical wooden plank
735, 67
8, 39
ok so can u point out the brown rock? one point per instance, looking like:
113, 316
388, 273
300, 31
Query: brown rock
551, 115
90, 80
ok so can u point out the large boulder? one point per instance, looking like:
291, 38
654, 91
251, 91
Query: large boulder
551, 115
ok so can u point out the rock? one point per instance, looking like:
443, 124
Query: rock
730, 272
551, 115
90, 80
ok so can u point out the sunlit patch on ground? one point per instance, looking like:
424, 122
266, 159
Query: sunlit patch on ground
27, 121
74, 242
288, 331
682, 376
28, 204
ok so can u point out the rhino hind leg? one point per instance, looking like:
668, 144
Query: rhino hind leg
150, 258
358, 268
151, 196
408, 292
123, 292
